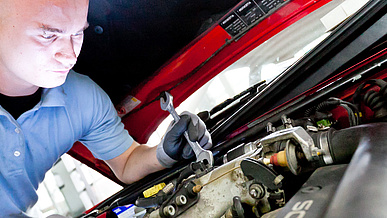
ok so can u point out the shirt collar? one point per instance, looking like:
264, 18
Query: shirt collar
53, 97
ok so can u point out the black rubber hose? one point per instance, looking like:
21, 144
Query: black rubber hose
373, 99
325, 105
361, 192
343, 143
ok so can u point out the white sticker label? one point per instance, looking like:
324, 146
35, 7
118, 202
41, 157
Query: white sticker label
128, 104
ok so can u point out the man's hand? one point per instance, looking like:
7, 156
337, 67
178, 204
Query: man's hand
174, 147
141, 160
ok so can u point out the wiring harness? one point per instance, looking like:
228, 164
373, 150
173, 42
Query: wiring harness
375, 100
352, 109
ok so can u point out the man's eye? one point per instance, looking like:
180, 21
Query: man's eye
78, 34
48, 36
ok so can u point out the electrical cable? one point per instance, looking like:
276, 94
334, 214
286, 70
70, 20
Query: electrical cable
375, 100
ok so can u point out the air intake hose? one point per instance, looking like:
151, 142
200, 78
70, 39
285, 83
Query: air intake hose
362, 191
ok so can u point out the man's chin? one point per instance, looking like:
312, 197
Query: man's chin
52, 84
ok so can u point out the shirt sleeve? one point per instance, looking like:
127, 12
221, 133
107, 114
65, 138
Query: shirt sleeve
104, 134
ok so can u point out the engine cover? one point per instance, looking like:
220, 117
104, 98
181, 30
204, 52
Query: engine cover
315, 195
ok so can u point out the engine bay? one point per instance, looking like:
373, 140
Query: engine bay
319, 154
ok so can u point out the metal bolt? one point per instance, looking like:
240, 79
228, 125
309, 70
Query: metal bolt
168, 188
169, 210
286, 121
270, 128
256, 191
181, 200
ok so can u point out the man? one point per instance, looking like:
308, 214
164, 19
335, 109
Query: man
46, 107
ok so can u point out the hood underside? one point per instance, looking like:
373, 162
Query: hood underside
130, 40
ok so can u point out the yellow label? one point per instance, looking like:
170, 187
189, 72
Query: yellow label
153, 190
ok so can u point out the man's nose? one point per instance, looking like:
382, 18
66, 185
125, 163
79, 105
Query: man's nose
66, 52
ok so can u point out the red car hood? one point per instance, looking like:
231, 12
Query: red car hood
194, 65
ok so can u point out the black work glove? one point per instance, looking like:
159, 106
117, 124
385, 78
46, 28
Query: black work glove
174, 147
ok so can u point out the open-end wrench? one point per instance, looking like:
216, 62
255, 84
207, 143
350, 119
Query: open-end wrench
166, 103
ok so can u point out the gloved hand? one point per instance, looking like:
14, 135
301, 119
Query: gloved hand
174, 147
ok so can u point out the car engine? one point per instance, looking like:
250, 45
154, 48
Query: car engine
311, 158
322, 164
321, 153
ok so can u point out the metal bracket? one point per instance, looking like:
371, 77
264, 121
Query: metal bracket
298, 134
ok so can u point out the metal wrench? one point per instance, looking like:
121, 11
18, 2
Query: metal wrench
166, 104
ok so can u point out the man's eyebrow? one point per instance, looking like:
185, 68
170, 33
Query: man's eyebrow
47, 28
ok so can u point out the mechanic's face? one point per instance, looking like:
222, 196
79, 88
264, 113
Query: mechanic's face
40, 40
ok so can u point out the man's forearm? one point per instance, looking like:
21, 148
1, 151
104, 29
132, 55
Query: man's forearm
141, 162
135, 163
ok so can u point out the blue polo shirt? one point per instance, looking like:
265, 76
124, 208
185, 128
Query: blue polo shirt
79, 110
